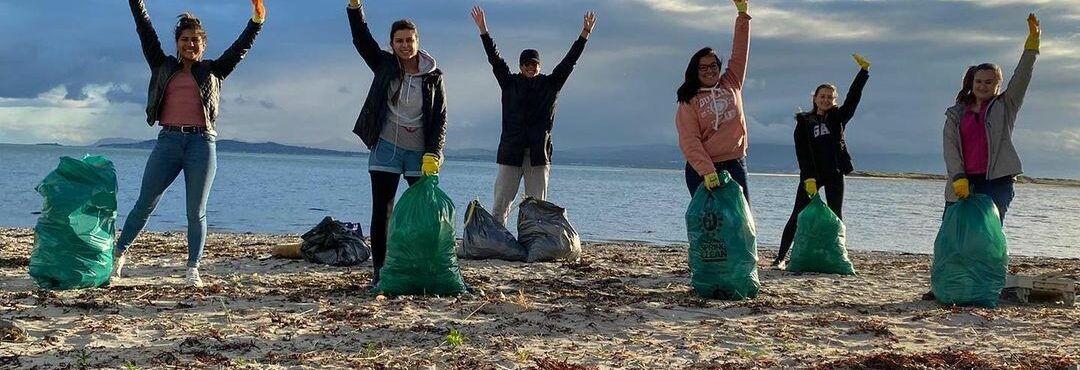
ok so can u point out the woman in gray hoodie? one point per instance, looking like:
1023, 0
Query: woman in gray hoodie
403, 120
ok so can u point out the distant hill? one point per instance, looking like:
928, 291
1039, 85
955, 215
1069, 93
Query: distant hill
115, 140
234, 146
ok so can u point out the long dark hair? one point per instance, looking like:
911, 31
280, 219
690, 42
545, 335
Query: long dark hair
187, 21
966, 95
691, 83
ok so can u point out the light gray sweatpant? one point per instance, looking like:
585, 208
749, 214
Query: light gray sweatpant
508, 180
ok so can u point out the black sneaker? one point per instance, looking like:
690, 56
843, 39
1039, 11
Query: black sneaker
780, 265
929, 296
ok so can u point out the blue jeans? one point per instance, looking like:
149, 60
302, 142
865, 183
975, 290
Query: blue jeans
387, 157
735, 167
196, 155
1000, 191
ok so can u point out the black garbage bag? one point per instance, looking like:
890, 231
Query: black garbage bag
486, 238
332, 243
545, 231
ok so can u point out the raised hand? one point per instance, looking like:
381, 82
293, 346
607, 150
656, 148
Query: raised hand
863, 63
1034, 32
478, 18
741, 5
354, 3
590, 22
258, 11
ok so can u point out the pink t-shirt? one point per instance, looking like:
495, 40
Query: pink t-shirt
973, 140
183, 103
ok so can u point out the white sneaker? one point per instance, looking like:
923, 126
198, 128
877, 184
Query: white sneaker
192, 278
118, 265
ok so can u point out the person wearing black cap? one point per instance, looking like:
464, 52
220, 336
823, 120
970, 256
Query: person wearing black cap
528, 111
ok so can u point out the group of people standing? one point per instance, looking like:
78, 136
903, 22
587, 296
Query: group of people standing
403, 122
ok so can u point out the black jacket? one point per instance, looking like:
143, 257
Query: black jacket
386, 68
209, 73
819, 140
528, 106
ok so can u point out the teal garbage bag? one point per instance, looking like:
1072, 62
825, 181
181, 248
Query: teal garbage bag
723, 247
73, 238
819, 244
971, 257
420, 256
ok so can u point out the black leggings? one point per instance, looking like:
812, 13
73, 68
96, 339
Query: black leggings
834, 191
383, 191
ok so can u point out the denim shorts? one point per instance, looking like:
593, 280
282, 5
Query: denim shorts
387, 157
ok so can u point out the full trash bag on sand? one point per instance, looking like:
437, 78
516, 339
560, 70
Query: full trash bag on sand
420, 257
820, 240
545, 231
487, 238
723, 247
971, 257
332, 243
73, 238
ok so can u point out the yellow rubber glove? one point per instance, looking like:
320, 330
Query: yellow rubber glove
863, 63
712, 181
810, 185
1034, 32
258, 11
961, 188
741, 5
430, 167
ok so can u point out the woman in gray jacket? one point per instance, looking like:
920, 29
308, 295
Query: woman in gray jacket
979, 152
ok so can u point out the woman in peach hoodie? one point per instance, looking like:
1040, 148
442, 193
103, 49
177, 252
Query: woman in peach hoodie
710, 120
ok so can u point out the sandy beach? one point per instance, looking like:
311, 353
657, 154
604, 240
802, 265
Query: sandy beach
624, 305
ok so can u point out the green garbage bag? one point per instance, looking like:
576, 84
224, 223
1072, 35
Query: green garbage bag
819, 241
73, 239
971, 256
723, 249
420, 256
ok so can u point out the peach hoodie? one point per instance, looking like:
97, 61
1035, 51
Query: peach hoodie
712, 127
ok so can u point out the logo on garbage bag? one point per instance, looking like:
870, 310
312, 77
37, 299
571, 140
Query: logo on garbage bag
713, 250
710, 221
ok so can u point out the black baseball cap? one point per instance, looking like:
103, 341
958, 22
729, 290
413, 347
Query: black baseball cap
529, 55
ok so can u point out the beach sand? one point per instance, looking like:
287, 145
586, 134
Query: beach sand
624, 305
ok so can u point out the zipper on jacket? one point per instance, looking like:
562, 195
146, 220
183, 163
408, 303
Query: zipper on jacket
986, 126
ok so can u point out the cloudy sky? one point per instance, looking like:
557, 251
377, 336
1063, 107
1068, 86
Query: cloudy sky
73, 73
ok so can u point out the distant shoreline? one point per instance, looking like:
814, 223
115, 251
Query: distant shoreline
469, 155
925, 176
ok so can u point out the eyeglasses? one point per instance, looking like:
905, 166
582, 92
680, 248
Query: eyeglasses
708, 67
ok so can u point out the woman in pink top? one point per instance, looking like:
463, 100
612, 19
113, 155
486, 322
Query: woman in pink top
710, 119
183, 99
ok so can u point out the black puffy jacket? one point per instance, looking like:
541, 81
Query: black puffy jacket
528, 106
386, 68
209, 73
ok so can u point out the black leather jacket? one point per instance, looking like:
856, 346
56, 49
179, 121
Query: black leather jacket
385, 65
209, 73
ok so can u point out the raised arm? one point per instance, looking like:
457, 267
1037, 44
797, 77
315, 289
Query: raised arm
562, 71
1021, 78
498, 64
151, 46
362, 39
854, 93
232, 56
740, 47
